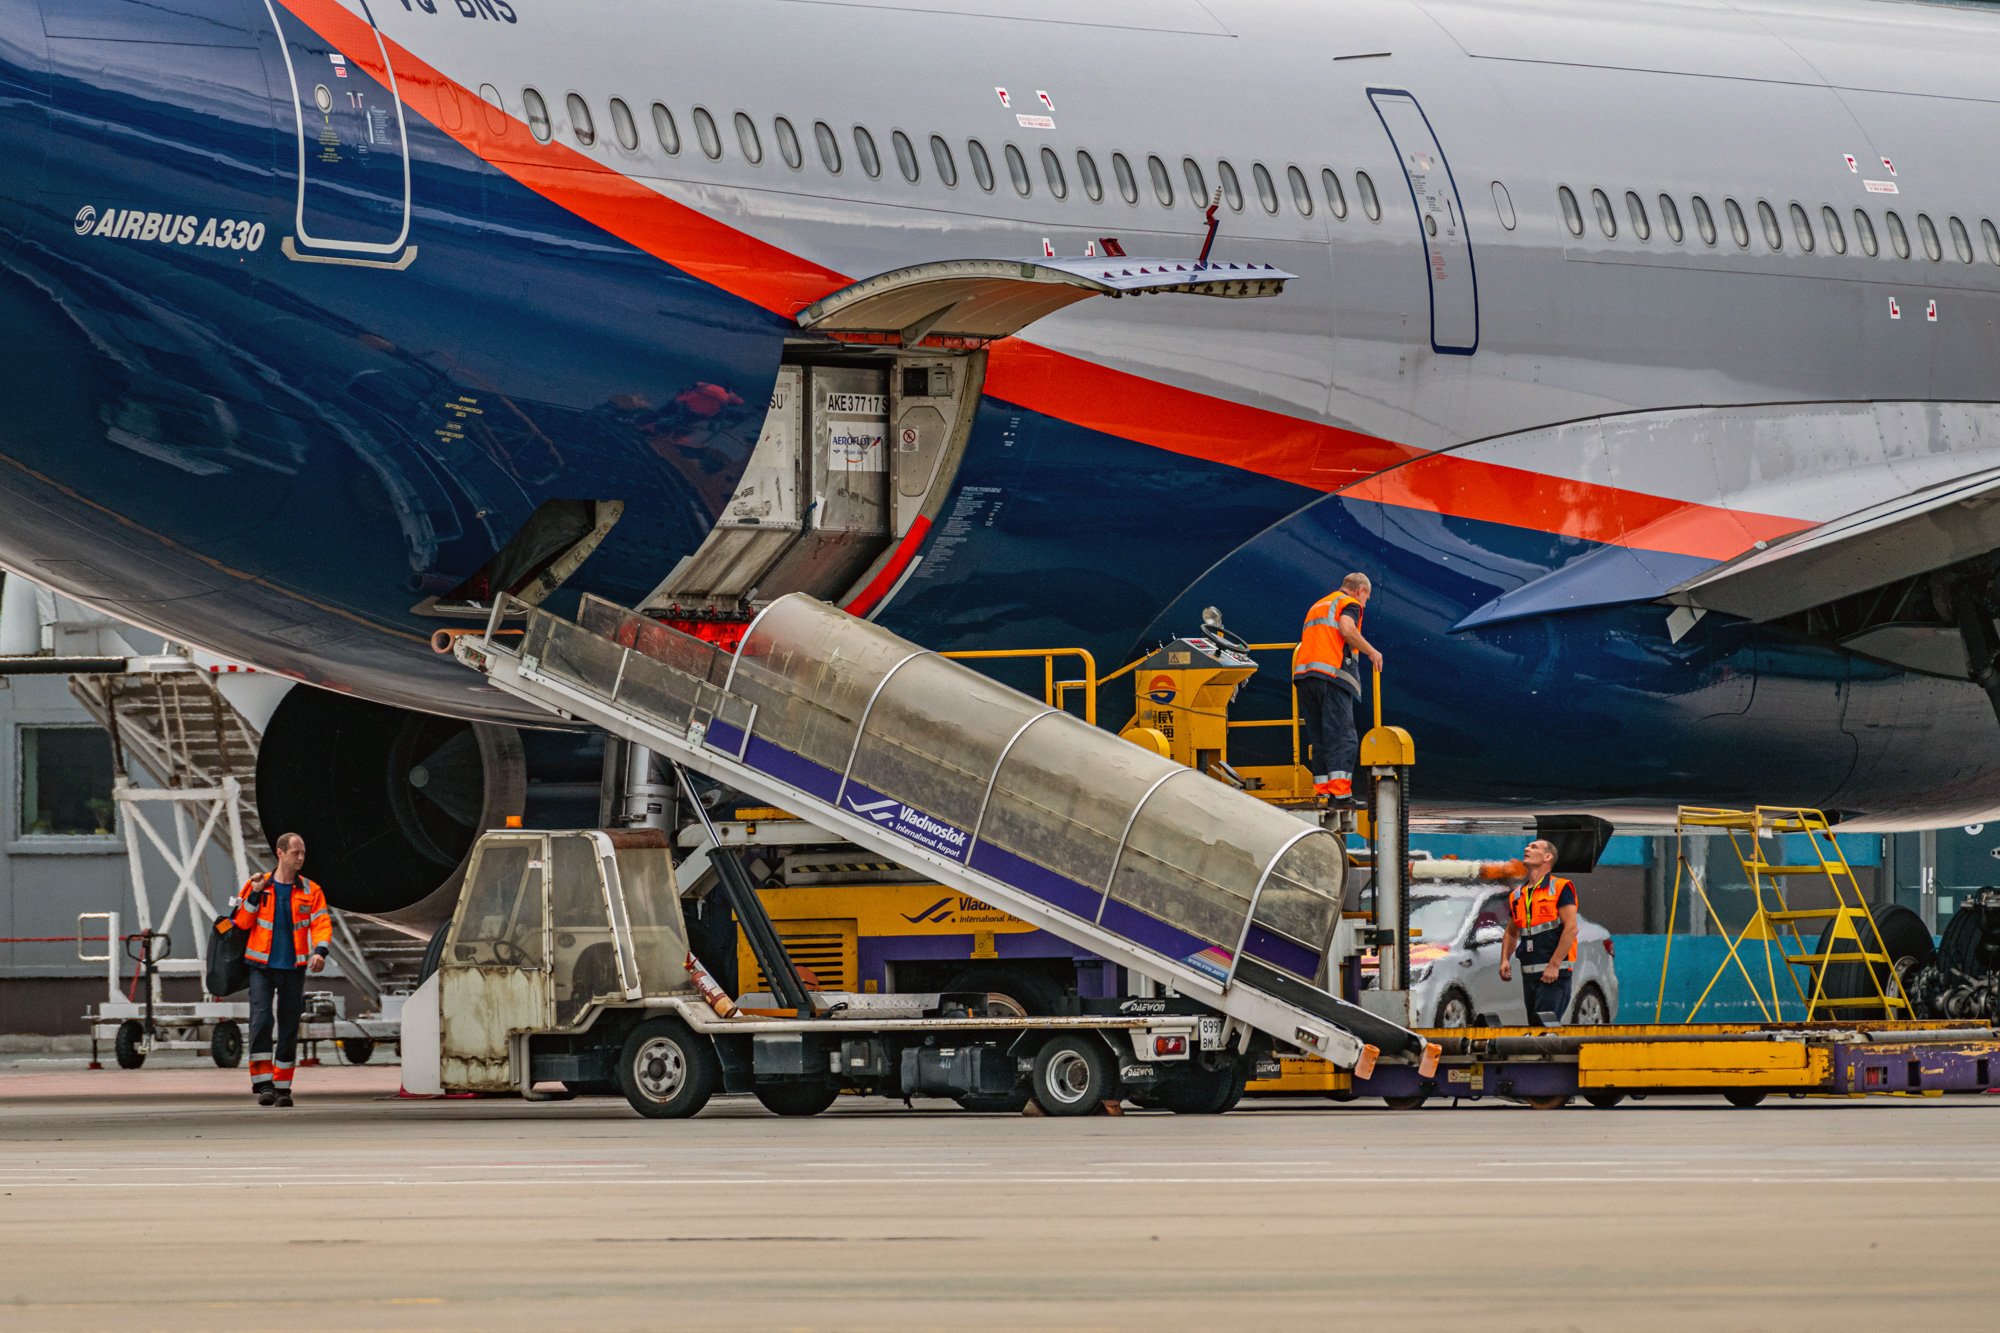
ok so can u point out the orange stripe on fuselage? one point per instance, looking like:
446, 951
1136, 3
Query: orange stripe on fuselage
1312, 454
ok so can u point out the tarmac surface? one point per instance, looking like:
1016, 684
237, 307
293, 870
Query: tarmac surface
164, 1198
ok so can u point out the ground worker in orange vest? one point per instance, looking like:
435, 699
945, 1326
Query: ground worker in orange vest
1327, 676
1541, 917
291, 932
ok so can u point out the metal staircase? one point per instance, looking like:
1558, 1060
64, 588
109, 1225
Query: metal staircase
1146, 862
167, 715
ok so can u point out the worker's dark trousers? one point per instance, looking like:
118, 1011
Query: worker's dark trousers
283, 990
1326, 719
1544, 997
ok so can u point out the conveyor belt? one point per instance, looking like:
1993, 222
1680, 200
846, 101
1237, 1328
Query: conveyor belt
1111, 847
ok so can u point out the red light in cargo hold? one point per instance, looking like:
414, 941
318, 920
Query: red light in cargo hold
1170, 1046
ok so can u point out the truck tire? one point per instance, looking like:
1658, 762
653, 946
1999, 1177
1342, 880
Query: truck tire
1745, 1097
433, 954
129, 1045
1074, 1075
999, 1103
1203, 1091
225, 1045
357, 1050
1015, 991
666, 1070
796, 1098
592, 1087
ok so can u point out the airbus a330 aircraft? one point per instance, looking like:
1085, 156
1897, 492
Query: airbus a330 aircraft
1646, 354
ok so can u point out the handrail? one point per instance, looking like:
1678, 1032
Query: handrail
1055, 693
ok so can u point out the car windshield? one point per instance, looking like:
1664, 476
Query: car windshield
1438, 917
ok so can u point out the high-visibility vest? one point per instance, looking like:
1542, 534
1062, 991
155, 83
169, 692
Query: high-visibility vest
1322, 649
1535, 914
312, 923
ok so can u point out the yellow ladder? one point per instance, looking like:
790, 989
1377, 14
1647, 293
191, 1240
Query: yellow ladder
1854, 937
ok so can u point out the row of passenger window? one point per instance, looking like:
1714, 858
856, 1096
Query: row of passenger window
1054, 168
1831, 228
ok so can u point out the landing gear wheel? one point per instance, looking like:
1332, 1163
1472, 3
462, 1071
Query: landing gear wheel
1454, 1010
433, 954
1407, 1101
1908, 944
1074, 1075
666, 1070
1203, 1091
130, 1045
796, 1099
1592, 1011
1744, 1097
225, 1045
357, 1050
1553, 1102
1604, 1101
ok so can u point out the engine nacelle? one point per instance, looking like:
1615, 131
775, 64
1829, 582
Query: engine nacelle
390, 801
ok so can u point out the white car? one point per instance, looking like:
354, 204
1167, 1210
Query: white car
1455, 964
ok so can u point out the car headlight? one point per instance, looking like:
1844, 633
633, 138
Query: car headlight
1420, 972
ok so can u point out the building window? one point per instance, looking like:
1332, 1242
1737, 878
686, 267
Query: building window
1336, 198
1836, 235
1802, 228
1053, 173
623, 125
668, 132
1197, 184
1302, 195
1635, 209
1670, 218
1267, 193
1864, 232
747, 139
580, 122
1739, 226
1163, 181
1899, 238
1704, 220
829, 146
66, 782
864, 149
1371, 203
1232, 189
705, 131
788, 143
1127, 185
1086, 170
1017, 171
982, 165
906, 155
538, 114
947, 166
1572, 214
1961, 241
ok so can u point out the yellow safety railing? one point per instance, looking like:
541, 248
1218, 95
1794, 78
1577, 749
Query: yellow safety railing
1055, 692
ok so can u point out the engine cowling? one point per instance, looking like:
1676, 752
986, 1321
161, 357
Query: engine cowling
390, 801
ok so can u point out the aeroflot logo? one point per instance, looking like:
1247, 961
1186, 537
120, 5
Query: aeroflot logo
132, 224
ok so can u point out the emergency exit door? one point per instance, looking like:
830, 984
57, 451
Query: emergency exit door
353, 154
1454, 287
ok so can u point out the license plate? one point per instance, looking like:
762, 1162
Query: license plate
1211, 1034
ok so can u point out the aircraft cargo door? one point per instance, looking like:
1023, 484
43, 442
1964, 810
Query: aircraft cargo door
352, 153
1454, 285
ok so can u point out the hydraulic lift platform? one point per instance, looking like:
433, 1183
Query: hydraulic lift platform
1146, 862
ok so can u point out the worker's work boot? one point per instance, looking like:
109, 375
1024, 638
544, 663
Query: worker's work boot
282, 1099
268, 1097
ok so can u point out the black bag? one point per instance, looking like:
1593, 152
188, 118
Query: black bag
228, 970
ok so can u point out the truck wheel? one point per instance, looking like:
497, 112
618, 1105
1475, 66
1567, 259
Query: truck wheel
1406, 1101
592, 1087
1011, 991
1604, 1101
1004, 1103
130, 1044
1073, 1075
1203, 1091
358, 1050
225, 1045
1744, 1097
796, 1098
433, 954
667, 1071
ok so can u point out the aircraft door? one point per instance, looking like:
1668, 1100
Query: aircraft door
353, 152
1454, 289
